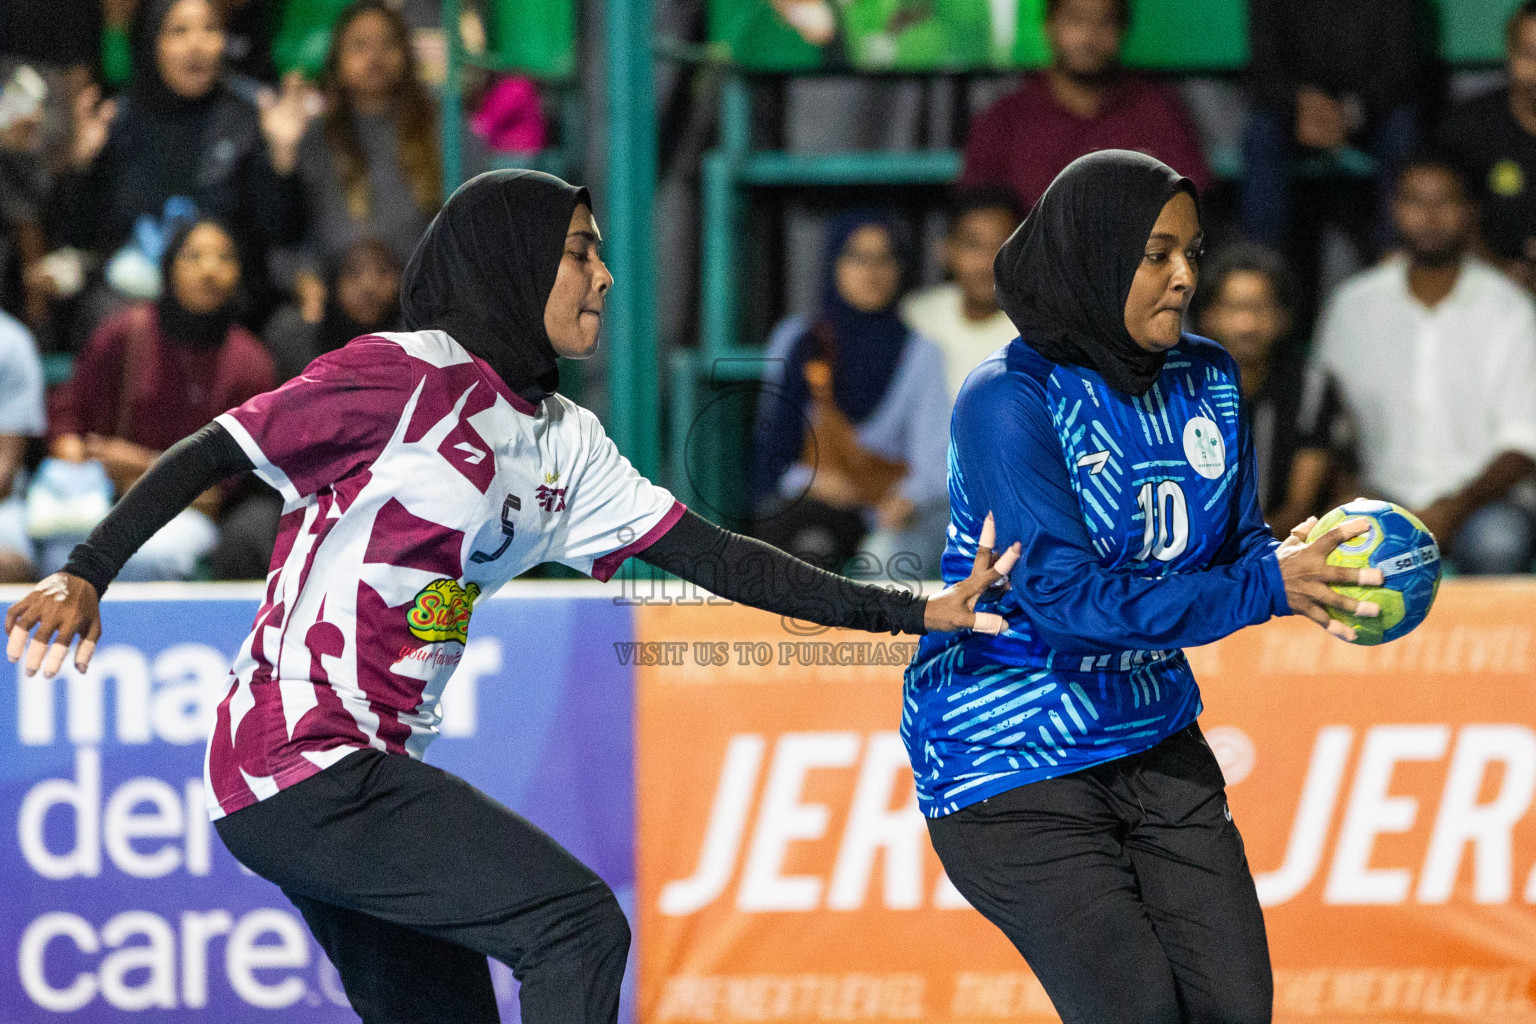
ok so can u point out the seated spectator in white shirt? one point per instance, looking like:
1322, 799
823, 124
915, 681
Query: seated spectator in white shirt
962, 314
1435, 355
21, 417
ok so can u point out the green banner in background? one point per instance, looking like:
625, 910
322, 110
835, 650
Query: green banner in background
903, 35
953, 35
536, 37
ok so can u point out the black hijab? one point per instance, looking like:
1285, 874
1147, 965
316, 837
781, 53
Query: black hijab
1064, 275
177, 322
484, 270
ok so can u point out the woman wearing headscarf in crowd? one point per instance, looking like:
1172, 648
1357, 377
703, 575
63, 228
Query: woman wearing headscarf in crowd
154, 373
179, 134
362, 296
371, 165
421, 471
870, 471
1068, 790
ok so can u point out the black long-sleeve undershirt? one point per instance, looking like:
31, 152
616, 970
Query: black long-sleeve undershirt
186, 469
726, 564
751, 572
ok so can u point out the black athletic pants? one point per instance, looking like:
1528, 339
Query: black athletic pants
1125, 886
410, 877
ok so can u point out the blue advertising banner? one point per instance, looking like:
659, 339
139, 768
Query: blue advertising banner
121, 901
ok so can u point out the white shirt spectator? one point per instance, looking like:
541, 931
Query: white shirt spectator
21, 414
937, 313
21, 381
1435, 393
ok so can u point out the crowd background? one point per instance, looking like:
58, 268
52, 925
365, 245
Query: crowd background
193, 208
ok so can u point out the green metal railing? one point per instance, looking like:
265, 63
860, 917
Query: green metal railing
704, 461
633, 413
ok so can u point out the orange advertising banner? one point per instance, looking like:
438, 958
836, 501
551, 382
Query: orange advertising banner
1384, 794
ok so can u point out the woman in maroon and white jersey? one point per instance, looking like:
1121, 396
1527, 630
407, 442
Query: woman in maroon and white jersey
420, 471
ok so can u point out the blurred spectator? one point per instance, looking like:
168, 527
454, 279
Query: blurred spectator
25, 97
1434, 353
962, 314
180, 136
872, 471
151, 375
371, 166
1247, 304
1082, 102
47, 51
1325, 75
21, 417
56, 33
362, 296
1493, 138
248, 38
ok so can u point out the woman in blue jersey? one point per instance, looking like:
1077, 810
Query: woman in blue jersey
1068, 789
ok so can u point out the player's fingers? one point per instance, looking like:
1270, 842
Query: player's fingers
38, 646
984, 543
1314, 611
1303, 528
56, 653
17, 643
1343, 632
1004, 565
1339, 534
23, 613
87, 646
1333, 599
14, 612
83, 651
1353, 577
989, 622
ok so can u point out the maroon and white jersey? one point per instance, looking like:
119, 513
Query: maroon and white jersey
414, 483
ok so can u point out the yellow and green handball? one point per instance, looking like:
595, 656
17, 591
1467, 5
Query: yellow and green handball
1409, 560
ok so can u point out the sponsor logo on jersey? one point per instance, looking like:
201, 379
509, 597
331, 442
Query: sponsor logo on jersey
1094, 461
551, 499
1204, 448
441, 611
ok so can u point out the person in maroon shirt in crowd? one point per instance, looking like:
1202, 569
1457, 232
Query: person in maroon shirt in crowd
158, 371
1084, 101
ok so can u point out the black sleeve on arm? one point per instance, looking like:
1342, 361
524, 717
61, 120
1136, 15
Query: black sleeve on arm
750, 572
186, 469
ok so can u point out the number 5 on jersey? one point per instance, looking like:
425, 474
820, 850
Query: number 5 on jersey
1165, 517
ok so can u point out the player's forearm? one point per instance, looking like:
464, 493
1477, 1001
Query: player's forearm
186, 470
750, 572
1089, 609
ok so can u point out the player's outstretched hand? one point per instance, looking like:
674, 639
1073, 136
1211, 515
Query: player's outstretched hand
1308, 575
954, 607
61, 607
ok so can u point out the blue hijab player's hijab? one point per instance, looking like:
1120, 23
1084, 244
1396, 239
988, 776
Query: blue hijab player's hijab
863, 349
1064, 275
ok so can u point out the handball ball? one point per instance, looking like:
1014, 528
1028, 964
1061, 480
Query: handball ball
1409, 560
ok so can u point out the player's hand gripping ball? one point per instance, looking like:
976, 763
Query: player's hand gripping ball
1409, 560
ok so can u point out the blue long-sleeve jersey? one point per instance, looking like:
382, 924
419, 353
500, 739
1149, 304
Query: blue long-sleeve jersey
1141, 533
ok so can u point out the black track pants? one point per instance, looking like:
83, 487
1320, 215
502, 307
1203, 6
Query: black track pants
410, 877
1125, 887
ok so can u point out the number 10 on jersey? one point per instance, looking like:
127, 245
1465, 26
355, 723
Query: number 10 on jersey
1165, 517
